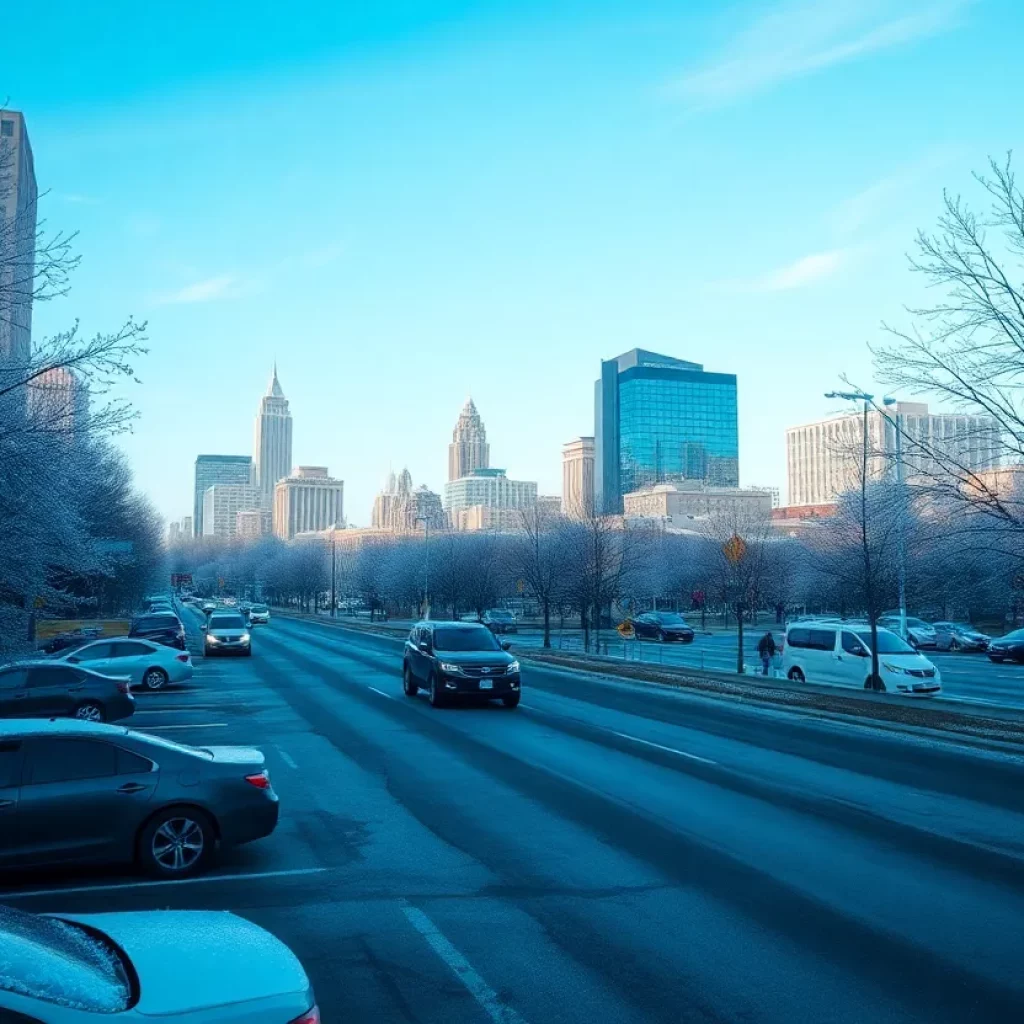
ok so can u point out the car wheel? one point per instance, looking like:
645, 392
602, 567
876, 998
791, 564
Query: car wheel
511, 700
996, 660
154, 679
796, 675
954, 645
176, 842
90, 711
408, 684
437, 697
661, 635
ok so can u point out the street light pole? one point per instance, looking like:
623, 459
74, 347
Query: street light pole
901, 542
334, 578
425, 520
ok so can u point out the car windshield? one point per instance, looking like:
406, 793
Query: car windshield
473, 639
670, 619
62, 963
261, 608
500, 615
888, 643
156, 622
918, 623
227, 622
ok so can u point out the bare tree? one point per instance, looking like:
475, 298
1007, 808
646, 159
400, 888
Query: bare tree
537, 556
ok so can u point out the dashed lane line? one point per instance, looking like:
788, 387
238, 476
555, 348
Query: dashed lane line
668, 750
390, 696
286, 757
194, 725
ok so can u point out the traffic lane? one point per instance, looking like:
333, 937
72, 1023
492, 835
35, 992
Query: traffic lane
938, 766
704, 816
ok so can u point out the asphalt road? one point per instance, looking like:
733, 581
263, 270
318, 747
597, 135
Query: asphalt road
606, 853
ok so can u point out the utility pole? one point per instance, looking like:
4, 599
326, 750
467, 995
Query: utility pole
425, 520
334, 578
901, 540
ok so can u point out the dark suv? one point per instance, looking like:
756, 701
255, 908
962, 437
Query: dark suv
453, 659
497, 620
161, 627
50, 689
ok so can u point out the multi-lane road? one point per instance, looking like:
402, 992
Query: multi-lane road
608, 852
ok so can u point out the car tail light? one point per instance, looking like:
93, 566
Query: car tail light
261, 780
311, 1016
181, 657
124, 687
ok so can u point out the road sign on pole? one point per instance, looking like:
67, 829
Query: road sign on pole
735, 548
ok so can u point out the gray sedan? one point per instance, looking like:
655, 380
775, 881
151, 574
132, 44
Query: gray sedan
958, 636
73, 792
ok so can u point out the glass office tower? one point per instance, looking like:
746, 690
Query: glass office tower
661, 419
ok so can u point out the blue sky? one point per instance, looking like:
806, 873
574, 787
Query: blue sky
406, 203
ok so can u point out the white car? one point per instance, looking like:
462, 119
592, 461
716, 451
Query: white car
147, 664
839, 653
259, 613
172, 965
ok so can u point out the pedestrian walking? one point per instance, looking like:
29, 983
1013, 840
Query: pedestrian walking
766, 648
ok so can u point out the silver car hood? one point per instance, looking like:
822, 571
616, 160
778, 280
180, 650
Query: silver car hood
189, 960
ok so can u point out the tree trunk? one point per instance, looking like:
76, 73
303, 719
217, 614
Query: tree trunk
739, 639
547, 622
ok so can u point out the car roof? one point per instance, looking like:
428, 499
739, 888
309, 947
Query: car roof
11, 728
448, 624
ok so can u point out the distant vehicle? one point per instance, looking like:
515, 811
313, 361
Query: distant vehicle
45, 689
665, 626
919, 632
458, 659
960, 636
230, 602
146, 663
162, 628
497, 620
83, 792
209, 606
840, 653
63, 642
1007, 648
146, 965
259, 613
226, 633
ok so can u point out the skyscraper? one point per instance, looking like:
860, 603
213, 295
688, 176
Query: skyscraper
58, 402
578, 478
309, 500
469, 449
222, 503
272, 441
18, 196
658, 419
217, 469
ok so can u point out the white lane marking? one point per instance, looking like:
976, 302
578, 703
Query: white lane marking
196, 725
286, 757
113, 887
488, 999
178, 711
381, 692
669, 750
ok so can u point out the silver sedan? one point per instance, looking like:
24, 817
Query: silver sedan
150, 665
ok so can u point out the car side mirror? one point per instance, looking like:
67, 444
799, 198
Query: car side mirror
505, 645
424, 646
860, 652
204, 627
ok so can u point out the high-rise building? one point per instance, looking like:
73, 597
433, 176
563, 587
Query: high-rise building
18, 198
186, 526
272, 441
252, 522
469, 449
173, 532
401, 508
58, 402
659, 419
825, 459
222, 503
491, 489
217, 469
308, 500
578, 478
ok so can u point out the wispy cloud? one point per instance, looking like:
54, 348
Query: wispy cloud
798, 37
802, 272
225, 286
77, 199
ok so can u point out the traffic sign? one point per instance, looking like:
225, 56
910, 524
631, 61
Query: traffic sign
735, 548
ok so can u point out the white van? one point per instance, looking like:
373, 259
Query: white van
840, 653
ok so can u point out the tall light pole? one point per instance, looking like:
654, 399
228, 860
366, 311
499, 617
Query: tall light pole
901, 542
425, 520
334, 577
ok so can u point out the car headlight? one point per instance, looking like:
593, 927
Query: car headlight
452, 670
512, 668
244, 638
212, 639
893, 668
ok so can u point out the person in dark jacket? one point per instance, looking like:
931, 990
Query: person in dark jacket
766, 648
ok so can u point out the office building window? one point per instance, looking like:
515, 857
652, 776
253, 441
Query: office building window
6, 127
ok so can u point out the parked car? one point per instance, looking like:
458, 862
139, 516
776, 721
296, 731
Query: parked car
147, 664
80, 791
37, 689
209, 606
63, 642
147, 965
259, 613
840, 653
453, 659
497, 620
960, 636
919, 632
162, 628
662, 626
226, 633
1007, 648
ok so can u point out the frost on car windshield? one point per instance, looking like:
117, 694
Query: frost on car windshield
60, 963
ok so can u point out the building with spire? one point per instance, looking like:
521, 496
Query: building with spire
272, 441
469, 450
400, 508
